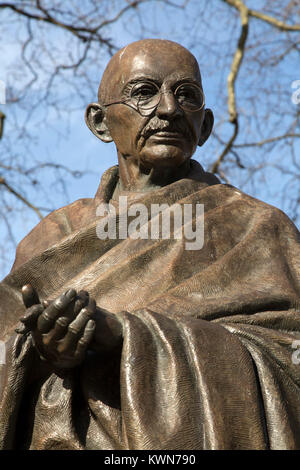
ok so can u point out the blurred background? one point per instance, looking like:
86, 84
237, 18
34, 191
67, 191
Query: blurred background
53, 54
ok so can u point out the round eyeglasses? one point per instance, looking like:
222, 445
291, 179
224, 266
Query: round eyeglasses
145, 97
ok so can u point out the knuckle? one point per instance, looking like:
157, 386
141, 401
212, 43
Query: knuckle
73, 329
44, 323
62, 322
88, 313
45, 317
82, 342
32, 311
58, 303
79, 304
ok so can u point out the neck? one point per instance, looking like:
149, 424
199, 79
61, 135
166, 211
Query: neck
134, 177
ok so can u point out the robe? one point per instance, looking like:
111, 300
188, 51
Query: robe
209, 358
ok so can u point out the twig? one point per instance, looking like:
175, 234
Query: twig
266, 141
2, 118
19, 196
216, 164
239, 5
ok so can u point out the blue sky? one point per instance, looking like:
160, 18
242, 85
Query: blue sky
65, 138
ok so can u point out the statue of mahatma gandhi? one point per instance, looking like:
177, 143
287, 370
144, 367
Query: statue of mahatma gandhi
136, 342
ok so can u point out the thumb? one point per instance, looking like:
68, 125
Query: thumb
30, 296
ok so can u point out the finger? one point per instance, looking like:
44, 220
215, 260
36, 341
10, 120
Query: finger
85, 340
62, 323
56, 308
30, 296
31, 315
75, 329
29, 319
84, 296
92, 305
57, 332
82, 300
79, 305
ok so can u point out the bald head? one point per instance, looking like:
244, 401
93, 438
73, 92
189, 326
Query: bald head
149, 57
151, 106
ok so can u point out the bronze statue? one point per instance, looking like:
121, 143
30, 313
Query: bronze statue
138, 342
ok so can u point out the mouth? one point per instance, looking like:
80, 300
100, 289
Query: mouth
172, 134
167, 136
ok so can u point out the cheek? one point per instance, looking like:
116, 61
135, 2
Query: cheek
123, 129
195, 124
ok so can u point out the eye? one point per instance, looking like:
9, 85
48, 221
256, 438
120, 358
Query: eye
186, 92
189, 95
143, 91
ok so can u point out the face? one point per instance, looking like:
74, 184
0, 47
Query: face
169, 136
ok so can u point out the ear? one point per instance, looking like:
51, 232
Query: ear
206, 127
96, 122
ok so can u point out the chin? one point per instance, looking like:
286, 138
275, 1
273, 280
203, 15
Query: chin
163, 156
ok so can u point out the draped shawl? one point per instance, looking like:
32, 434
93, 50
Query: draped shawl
208, 359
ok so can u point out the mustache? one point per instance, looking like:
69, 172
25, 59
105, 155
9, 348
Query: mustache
159, 125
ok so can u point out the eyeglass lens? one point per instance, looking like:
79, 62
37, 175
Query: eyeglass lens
146, 96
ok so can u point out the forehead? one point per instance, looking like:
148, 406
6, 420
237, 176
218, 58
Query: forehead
160, 66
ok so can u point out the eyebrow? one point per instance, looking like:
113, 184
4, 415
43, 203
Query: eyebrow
158, 82
142, 79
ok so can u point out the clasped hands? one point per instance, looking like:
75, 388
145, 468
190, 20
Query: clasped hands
63, 329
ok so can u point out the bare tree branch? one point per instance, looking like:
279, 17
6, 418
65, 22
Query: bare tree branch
236, 62
19, 196
239, 5
235, 67
2, 118
245, 13
266, 141
216, 164
81, 32
273, 21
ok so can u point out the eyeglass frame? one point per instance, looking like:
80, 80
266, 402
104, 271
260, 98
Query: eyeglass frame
153, 109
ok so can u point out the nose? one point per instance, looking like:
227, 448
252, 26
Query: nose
167, 106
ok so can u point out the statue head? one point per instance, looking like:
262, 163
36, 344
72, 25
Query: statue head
151, 104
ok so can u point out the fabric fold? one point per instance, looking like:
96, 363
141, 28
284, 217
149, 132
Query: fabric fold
207, 355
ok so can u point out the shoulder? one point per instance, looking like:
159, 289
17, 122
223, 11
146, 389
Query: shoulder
259, 211
57, 225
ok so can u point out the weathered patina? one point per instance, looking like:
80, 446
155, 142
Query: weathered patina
139, 343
